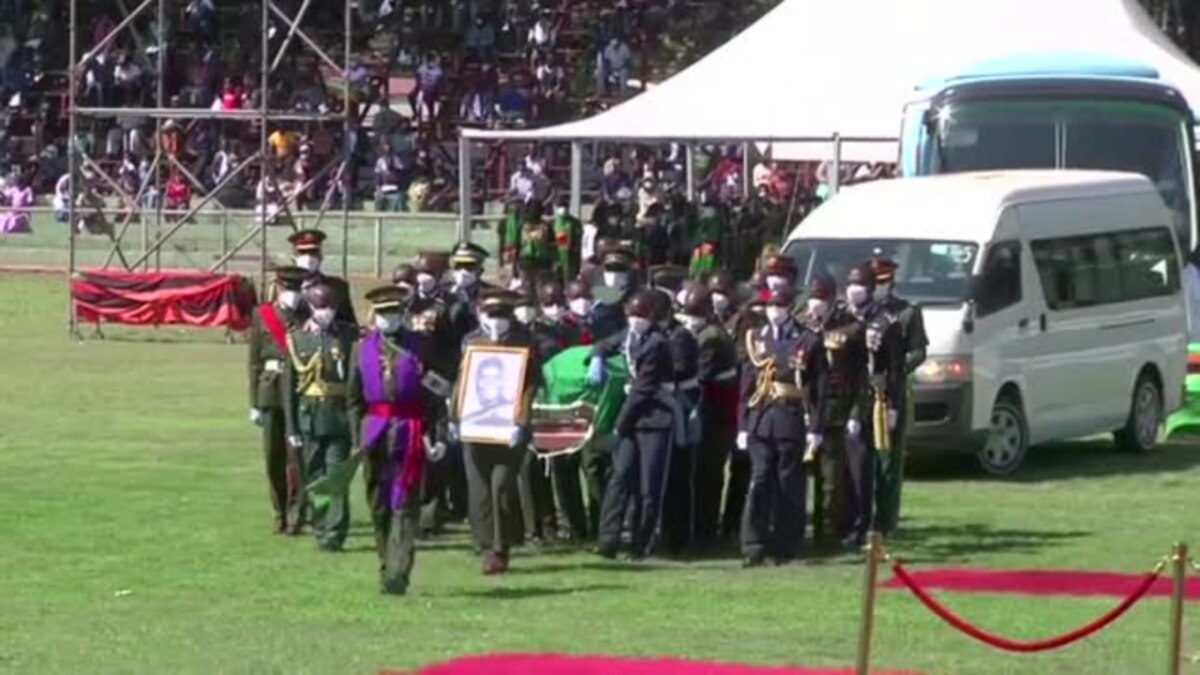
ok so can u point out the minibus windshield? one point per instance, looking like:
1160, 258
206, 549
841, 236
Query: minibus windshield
930, 272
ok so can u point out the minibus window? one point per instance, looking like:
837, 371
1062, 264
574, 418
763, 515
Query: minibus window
1000, 287
1106, 268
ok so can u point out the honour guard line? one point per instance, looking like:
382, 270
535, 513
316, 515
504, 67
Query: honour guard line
735, 399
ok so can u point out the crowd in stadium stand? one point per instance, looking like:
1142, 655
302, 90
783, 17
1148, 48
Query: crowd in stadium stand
418, 74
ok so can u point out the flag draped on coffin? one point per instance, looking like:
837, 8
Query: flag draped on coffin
565, 376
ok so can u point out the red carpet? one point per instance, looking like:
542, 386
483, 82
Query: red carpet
1042, 582
553, 664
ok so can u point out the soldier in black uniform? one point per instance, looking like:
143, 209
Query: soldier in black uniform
748, 318
536, 490
306, 246
554, 333
428, 318
724, 295
677, 504
608, 317
845, 339
466, 272
785, 367
910, 324
643, 428
492, 469
717, 412
405, 276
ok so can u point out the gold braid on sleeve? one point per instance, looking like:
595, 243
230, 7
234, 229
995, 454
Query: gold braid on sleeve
766, 371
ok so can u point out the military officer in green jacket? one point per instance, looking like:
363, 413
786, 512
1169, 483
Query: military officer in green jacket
268, 349
317, 421
306, 245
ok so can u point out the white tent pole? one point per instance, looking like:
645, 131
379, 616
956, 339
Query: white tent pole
690, 171
577, 179
835, 181
464, 189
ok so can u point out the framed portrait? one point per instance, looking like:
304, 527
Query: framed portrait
491, 393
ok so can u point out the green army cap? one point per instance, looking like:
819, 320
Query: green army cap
388, 298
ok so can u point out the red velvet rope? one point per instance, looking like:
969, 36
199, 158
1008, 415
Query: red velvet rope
1006, 644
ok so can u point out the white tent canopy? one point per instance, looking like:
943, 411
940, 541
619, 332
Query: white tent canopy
813, 69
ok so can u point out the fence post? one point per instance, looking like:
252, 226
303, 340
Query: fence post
870, 579
378, 247
224, 239
1179, 561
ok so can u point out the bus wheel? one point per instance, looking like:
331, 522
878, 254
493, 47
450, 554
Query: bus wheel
1007, 441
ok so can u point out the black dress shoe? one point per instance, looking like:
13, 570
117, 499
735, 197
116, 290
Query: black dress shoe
607, 552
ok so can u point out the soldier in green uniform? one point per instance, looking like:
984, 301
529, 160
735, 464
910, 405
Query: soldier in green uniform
268, 351
535, 489
908, 319
492, 468
568, 240
317, 421
306, 246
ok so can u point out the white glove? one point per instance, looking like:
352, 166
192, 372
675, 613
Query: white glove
256, 416
814, 440
874, 339
295, 442
893, 419
434, 452
854, 428
743, 440
452, 431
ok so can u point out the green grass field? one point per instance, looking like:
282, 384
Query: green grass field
134, 529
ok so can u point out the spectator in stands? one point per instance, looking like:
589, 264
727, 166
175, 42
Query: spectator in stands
201, 18
613, 180
480, 41
283, 144
612, 67
543, 36
359, 79
178, 195
479, 102
19, 198
389, 186
425, 98
98, 79
127, 80
62, 198
514, 30
512, 105
233, 95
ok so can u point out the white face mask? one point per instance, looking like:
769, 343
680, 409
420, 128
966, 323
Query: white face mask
639, 324
289, 300
720, 302
693, 323
388, 323
323, 317
616, 280
525, 315
464, 277
552, 312
307, 261
817, 309
857, 294
776, 282
777, 315
495, 327
882, 291
681, 298
580, 306
426, 283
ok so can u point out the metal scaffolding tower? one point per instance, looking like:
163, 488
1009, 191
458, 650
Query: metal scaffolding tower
264, 116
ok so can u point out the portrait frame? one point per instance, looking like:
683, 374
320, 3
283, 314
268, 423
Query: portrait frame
491, 423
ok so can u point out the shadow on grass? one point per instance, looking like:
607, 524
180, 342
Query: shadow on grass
1089, 458
530, 592
598, 566
938, 544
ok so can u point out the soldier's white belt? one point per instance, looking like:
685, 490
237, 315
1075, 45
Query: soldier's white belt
726, 375
273, 366
688, 385
662, 389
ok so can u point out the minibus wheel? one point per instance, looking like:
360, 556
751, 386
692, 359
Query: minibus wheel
1140, 433
1007, 441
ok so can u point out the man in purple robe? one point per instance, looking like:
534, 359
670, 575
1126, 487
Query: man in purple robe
390, 411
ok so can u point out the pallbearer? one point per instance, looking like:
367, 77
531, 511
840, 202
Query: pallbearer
718, 411
392, 420
643, 427
785, 367
315, 375
268, 351
910, 324
306, 246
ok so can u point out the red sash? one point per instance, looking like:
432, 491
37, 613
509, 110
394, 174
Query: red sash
274, 326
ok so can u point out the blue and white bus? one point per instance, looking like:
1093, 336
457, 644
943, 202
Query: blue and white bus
1057, 111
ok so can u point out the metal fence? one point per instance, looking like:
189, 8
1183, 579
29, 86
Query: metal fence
231, 241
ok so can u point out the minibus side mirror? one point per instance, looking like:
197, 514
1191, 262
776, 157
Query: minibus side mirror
974, 292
